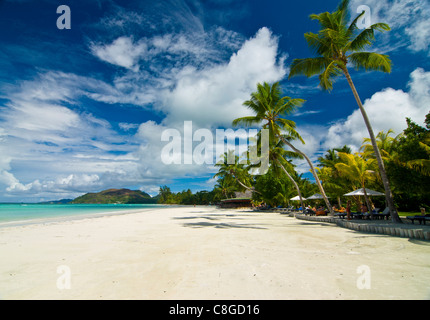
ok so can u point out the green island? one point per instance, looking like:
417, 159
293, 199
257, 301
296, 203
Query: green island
119, 196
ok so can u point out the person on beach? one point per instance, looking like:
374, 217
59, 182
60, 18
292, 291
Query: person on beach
348, 210
364, 211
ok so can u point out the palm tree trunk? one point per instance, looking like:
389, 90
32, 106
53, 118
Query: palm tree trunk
294, 182
366, 198
314, 173
388, 194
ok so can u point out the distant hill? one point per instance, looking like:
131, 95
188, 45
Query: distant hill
124, 196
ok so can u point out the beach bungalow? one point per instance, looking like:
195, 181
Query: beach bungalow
241, 200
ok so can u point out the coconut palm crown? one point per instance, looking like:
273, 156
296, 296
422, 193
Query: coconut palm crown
337, 45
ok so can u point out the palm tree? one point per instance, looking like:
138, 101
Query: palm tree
386, 145
357, 170
235, 170
336, 46
225, 187
269, 108
331, 179
277, 156
421, 165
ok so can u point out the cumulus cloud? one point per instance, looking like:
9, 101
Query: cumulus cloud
214, 95
386, 109
209, 98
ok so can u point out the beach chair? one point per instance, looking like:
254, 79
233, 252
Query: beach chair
375, 214
380, 215
340, 214
385, 214
309, 212
321, 213
420, 219
356, 215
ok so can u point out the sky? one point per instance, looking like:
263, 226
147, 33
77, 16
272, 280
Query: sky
84, 108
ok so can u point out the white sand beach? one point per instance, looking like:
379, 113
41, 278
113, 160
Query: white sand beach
207, 253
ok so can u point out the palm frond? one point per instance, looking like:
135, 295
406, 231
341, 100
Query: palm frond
353, 26
371, 61
290, 127
247, 121
425, 146
343, 6
366, 37
318, 43
331, 72
308, 67
288, 105
420, 165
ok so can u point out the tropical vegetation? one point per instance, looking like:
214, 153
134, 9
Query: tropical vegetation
406, 158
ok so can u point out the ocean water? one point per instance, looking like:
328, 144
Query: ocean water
27, 213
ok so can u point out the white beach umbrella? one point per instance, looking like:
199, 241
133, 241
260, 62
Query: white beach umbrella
316, 196
360, 192
297, 198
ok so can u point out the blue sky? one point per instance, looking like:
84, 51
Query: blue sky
83, 109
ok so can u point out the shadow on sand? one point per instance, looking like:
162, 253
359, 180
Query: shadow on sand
221, 225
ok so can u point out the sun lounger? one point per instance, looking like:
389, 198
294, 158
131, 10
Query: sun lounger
309, 212
383, 215
356, 215
340, 214
420, 219
321, 213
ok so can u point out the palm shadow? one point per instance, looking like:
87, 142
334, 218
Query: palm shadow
221, 225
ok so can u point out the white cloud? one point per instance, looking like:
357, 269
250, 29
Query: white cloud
299, 114
122, 52
209, 97
408, 19
213, 96
386, 109
48, 148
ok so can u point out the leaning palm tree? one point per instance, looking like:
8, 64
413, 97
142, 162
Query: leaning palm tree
235, 170
270, 108
225, 187
277, 158
337, 46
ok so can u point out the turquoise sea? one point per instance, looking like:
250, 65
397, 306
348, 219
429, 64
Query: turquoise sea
27, 213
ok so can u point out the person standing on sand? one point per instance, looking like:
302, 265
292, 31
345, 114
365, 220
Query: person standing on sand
348, 210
